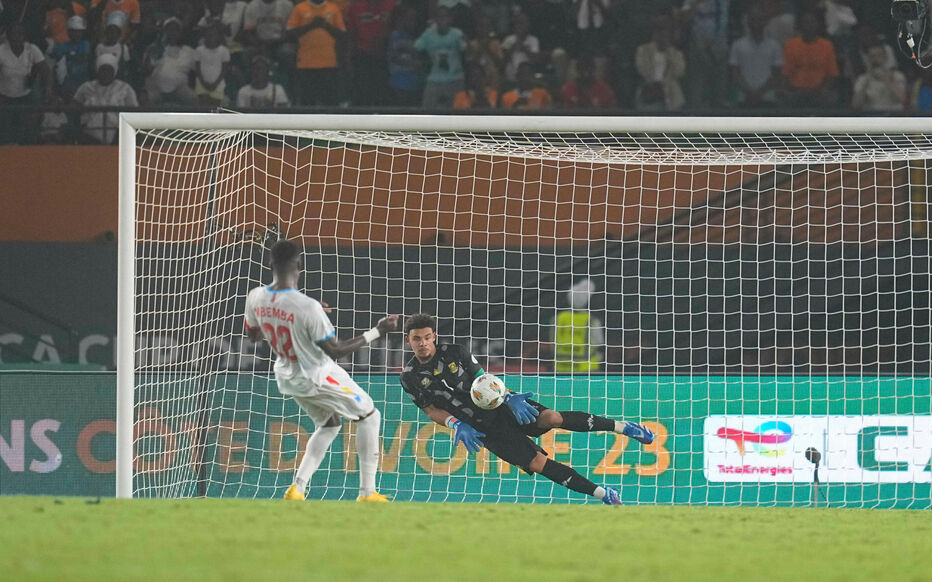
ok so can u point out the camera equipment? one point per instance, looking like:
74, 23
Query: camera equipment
815, 457
912, 18
907, 10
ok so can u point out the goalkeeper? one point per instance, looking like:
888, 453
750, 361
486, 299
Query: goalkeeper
438, 379
300, 333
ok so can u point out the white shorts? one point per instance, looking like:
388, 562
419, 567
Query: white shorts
336, 393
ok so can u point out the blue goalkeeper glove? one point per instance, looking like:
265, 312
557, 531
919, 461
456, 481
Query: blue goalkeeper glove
524, 412
463, 433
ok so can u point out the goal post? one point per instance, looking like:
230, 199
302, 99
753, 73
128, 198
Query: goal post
757, 287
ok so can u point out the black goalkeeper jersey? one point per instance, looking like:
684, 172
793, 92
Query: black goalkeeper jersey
444, 382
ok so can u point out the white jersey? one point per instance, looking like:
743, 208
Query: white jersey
294, 325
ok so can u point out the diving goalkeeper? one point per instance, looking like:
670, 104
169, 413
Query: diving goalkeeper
438, 379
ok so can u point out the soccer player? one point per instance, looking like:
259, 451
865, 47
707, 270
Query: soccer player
438, 379
300, 333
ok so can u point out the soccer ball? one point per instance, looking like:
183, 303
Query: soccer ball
488, 392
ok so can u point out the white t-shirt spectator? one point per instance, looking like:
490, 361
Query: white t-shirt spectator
520, 53
212, 61
16, 70
104, 126
173, 67
272, 95
881, 91
268, 19
756, 61
119, 50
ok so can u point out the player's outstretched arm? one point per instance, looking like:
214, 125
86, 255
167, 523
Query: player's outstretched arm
336, 349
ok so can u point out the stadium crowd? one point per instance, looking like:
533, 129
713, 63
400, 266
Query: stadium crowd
637, 55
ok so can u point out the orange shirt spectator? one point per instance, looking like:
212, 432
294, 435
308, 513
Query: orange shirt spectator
57, 17
809, 59
317, 48
130, 7
808, 65
466, 99
536, 98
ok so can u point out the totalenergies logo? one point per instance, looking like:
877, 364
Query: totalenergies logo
765, 438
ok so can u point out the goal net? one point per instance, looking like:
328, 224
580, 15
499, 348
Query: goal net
754, 290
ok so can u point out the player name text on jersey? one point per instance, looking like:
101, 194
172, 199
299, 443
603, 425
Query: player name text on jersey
274, 313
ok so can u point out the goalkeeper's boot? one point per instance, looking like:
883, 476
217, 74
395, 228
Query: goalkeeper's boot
611, 497
293, 494
638, 432
375, 497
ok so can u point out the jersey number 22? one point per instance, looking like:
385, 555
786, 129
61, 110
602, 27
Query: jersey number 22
280, 336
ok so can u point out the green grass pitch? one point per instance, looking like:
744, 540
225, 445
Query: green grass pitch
209, 539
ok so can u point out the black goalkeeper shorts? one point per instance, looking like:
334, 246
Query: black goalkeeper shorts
510, 441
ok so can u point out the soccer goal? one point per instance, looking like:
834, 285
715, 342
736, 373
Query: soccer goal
756, 290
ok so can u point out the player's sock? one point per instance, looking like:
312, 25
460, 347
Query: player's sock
599, 492
568, 477
367, 446
585, 422
314, 453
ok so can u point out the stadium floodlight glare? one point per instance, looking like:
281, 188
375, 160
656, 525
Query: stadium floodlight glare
760, 284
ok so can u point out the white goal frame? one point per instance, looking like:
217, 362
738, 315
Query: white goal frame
131, 122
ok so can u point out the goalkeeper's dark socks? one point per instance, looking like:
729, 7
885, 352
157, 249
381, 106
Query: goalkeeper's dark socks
585, 422
568, 477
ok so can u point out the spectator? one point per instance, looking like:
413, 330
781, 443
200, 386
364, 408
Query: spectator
781, 20
578, 336
404, 76
170, 64
755, 63
111, 44
461, 14
265, 21
56, 19
557, 71
261, 93
444, 46
477, 95
520, 47
550, 21
880, 88
587, 91
840, 19
213, 65
368, 22
104, 91
496, 14
229, 14
72, 59
264, 25
920, 98
866, 39
321, 33
590, 18
527, 95
707, 46
809, 65
20, 62
486, 51
101, 10
54, 126
660, 66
